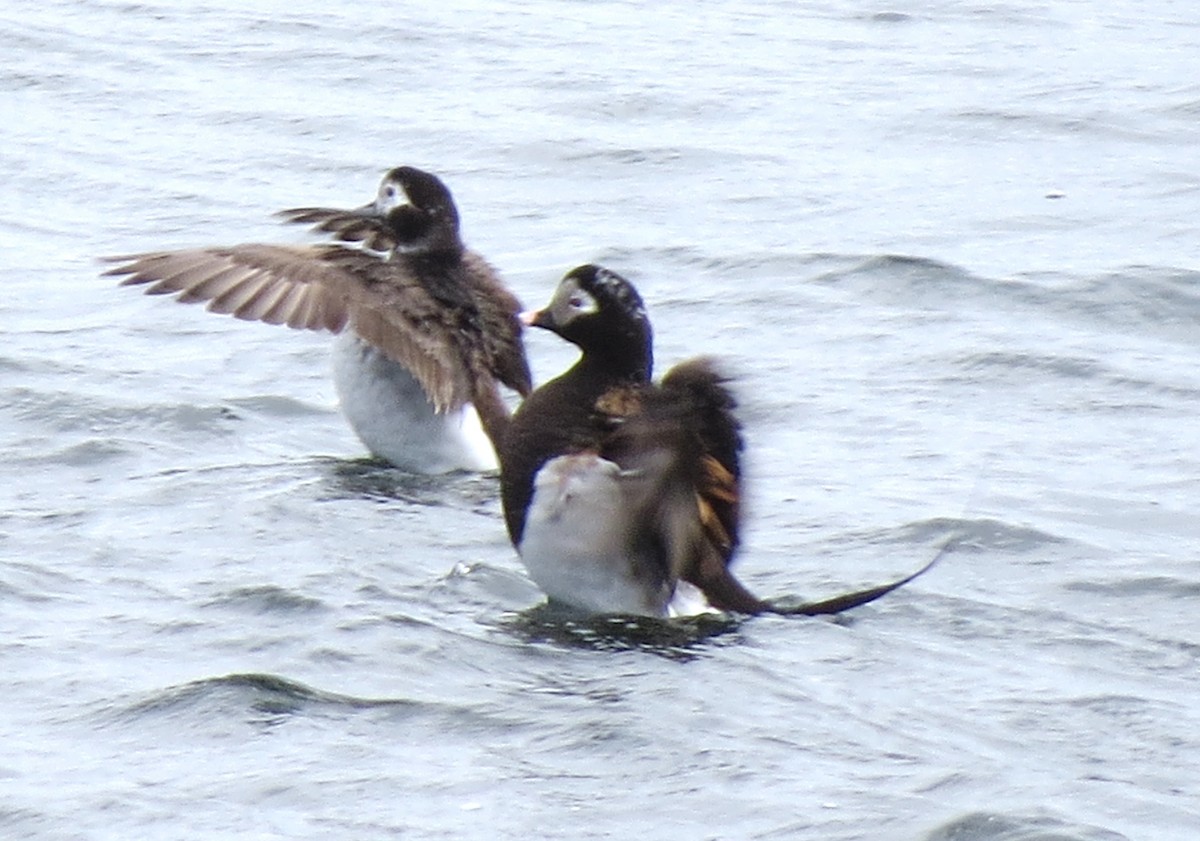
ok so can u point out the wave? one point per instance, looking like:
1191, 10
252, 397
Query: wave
1159, 300
239, 694
267, 599
1144, 585
993, 826
268, 699
976, 535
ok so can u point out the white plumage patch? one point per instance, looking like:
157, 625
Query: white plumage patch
392, 415
390, 196
575, 543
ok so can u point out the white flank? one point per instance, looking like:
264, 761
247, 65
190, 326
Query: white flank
574, 544
388, 410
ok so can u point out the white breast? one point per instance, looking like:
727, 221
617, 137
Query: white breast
391, 415
575, 547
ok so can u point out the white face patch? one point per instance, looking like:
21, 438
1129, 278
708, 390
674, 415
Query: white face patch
582, 303
570, 302
390, 196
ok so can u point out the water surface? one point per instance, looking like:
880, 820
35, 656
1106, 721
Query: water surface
949, 251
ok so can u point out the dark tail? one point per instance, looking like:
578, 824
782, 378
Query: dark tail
838, 604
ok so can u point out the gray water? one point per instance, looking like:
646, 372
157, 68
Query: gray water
949, 249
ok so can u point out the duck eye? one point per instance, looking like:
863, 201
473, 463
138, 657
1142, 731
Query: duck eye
391, 192
577, 302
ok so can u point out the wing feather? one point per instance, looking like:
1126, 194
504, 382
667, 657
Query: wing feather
502, 348
680, 444
326, 287
698, 385
270, 300
235, 294
344, 225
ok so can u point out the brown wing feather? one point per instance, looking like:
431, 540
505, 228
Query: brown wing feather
682, 443
345, 225
316, 288
499, 352
708, 405
502, 346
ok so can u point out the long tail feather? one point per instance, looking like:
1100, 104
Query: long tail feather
848, 601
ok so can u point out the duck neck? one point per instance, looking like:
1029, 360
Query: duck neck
416, 232
628, 358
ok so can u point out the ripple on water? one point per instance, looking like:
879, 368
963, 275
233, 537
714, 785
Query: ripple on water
987, 826
1175, 588
268, 599
368, 478
65, 412
267, 699
88, 453
970, 535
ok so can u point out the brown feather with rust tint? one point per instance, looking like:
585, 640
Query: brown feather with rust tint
616, 490
676, 446
685, 433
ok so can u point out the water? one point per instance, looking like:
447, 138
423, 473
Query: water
948, 248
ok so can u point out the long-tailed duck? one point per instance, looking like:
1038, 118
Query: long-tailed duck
427, 330
623, 496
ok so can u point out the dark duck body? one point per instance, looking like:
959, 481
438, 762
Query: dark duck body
622, 495
427, 331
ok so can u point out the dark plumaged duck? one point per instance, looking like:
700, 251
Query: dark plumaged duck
623, 496
427, 331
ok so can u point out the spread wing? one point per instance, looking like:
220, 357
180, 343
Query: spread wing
499, 310
344, 225
681, 449
707, 406
326, 287
502, 351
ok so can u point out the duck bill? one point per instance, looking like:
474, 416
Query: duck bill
537, 318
